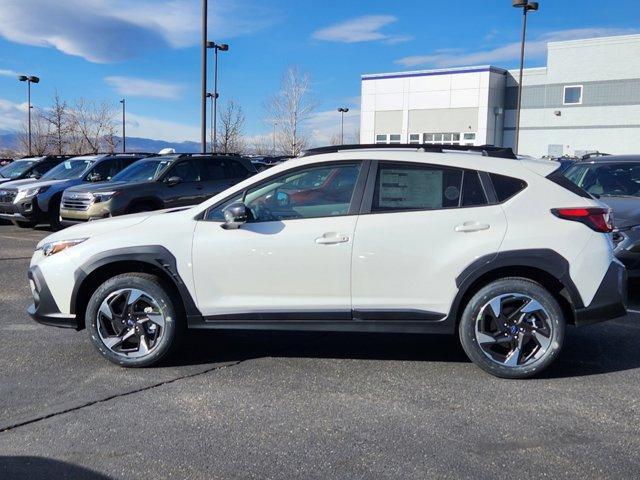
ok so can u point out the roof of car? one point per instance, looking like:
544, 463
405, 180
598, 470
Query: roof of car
484, 150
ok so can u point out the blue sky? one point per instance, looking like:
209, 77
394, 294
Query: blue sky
147, 50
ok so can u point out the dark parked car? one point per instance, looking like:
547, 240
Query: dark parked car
615, 180
30, 167
5, 161
153, 184
29, 202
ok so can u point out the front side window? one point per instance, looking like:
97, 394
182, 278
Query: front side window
572, 95
324, 191
186, 170
213, 170
141, 171
402, 187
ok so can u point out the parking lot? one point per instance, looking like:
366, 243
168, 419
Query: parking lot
312, 405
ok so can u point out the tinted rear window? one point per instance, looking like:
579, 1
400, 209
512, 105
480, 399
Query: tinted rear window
472, 192
506, 187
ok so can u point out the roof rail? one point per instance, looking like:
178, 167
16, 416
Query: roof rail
486, 150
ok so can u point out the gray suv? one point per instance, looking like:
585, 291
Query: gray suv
29, 202
153, 184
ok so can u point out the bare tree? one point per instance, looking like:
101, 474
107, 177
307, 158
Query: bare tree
291, 107
335, 139
59, 124
40, 134
262, 145
230, 129
92, 123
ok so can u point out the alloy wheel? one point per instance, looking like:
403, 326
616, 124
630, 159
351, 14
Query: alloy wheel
513, 330
130, 323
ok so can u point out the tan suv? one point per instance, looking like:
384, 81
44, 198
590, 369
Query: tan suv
153, 184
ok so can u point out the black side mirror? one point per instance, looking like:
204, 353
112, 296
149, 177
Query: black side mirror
236, 215
94, 177
171, 181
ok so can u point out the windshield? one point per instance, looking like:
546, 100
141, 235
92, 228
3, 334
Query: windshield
68, 169
607, 179
142, 170
16, 169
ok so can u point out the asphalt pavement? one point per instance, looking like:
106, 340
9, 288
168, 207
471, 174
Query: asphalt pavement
241, 405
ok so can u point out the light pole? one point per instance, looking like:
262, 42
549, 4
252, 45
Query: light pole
212, 96
275, 124
203, 93
342, 110
223, 47
526, 5
124, 128
29, 79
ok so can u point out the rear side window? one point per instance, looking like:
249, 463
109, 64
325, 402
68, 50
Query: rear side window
237, 170
415, 187
213, 170
506, 187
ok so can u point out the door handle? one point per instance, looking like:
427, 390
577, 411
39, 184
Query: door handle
467, 227
331, 239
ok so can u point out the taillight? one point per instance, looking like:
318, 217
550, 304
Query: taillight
593, 217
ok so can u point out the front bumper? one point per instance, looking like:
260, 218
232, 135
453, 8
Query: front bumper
23, 211
627, 249
95, 211
44, 308
609, 300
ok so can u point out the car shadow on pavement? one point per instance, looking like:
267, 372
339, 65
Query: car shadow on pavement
40, 468
597, 349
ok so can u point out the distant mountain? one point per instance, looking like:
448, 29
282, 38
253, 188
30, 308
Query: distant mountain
10, 141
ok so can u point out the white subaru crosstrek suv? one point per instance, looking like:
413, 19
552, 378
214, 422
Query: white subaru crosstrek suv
419, 239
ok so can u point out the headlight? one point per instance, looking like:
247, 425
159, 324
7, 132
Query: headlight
52, 248
103, 196
30, 192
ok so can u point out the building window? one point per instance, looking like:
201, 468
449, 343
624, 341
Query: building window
394, 138
381, 139
572, 95
414, 138
445, 138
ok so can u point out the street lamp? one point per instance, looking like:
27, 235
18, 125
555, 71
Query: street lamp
526, 6
212, 96
124, 131
223, 47
203, 80
29, 79
342, 110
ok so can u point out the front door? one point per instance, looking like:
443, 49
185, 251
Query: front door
293, 260
189, 187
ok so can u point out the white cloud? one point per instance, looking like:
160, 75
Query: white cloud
361, 29
140, 87
326, 124
113, 30
8, 73
12, 115
536, 49
158, 129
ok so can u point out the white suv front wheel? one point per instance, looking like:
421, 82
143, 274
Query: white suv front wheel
131, 320
512, 328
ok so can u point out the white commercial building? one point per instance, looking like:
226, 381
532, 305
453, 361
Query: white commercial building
587, 98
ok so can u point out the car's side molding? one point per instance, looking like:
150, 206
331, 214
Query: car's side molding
155, 256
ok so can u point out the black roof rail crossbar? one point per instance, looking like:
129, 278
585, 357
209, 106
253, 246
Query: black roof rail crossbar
486, 150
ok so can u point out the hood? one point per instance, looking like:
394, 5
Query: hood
106, 186
31, 183
625, 211
107, 225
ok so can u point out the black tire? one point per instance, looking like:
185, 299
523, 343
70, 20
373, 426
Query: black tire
23, 224
514, 285
173, 323
54, 214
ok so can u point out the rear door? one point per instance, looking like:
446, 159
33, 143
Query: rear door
420, 226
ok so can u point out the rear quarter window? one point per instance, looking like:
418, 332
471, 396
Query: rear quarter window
506, 187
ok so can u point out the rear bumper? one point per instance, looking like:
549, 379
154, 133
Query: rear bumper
609, 300
44, 308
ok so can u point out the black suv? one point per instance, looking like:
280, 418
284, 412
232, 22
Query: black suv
29, 167
155, 183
